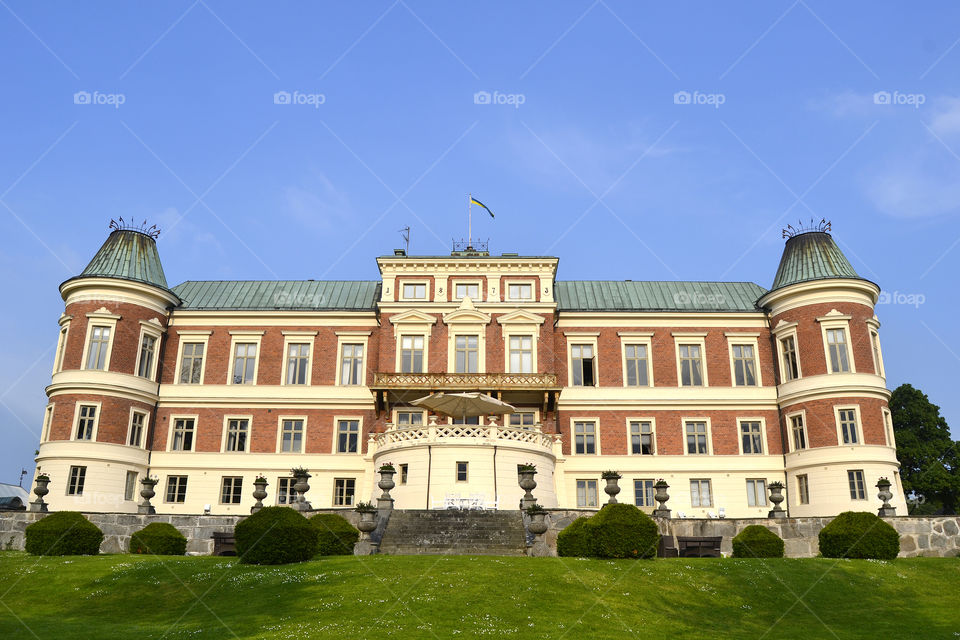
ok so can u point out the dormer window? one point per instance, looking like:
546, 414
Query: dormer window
466, 290
415, 291
520, 291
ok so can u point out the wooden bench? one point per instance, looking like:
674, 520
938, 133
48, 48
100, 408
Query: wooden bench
224, 544
697, 547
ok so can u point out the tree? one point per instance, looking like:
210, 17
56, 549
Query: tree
929, 457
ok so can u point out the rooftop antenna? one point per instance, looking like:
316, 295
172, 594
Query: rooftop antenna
23, 472
405, 232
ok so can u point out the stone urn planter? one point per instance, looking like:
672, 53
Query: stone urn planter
301, 486
528, 483
146, 492
259, 492
613, 486
661, 496
386, 483
40, 490
886, 510
538, 523
776, 497
368, 522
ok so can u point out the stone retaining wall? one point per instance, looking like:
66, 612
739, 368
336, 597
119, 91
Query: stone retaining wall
932, 536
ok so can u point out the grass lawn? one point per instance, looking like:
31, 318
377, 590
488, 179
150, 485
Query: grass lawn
123, 596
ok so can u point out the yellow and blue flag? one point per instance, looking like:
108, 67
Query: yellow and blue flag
480, 204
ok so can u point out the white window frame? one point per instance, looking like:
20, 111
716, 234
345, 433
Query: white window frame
336, 435
226, 427
426, 350
472, 330
466, 471
76, 420
863, 478
653, 434
688, 338
653, 502
396, 416
82, 479
401, 289
100, 318
709, 435
888, 434
791, 445
508, 350
348, 501
353, 337
636, 339
596, 436
831, 321
166, 487
233, 479
506, 284
762, 495
586, 487
172, 420
47, 422
298, 337
243, 337
193, 336
709, 482
763, 434
133, 493
146, 427
783, 331
582, 339
472, 282
62, 336
801, 484
876, 349
737, 339
859, 426
524, 410
155, 331
303, 442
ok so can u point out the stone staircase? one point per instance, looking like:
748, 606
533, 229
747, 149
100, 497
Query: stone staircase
454, 532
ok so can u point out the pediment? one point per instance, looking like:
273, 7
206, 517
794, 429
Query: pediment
413, 317
466, 316
520, 317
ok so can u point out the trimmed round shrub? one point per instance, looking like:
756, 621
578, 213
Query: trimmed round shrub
159, 539
756, 541
623, 531
64, 533
857, 534
336, 536
574, 541
275, 535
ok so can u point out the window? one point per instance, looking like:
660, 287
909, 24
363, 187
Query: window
404, 472
462, 471
696, 437
298, 363
520, 291
351, 364
848, 425
97, 350
411, 354
176, 489
636, 360
231, 490
643, 493
130, 486
803, 489
466, 420
415, 290
691, 367
285, 492
86, 421
586, 493
47, 419
887, 425
585, 437
75, 483
466, 354
877, 358
858, 490
291, 436
523, 419
700, 493
799, 433
191, 363
744, 366
244, 362
467, 290
137, 422
583, 365
751, 437
343, 491
348, 436
237, 431
791, 366
641, 438
409, 419
182, 434
756, 493
521, 354
148, 347
837, 347
61, 349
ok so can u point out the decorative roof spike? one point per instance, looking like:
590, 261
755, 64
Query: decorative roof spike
823, 226
121, 225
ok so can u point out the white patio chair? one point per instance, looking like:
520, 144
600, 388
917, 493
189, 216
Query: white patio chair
681, 515
451, 501
723, 512
476, 501
711, 515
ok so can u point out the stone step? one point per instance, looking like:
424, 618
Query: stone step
454, 532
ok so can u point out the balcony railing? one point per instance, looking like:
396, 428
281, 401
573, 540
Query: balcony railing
465, 381
467, 434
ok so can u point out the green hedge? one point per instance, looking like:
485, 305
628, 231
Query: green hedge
64, 533
336, 535
855, 534
275, 535
159, 539
756, 541
616, 531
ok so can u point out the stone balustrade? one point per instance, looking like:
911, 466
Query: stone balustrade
464, 434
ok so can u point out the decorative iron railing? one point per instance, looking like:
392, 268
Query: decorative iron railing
465, 380
465, 433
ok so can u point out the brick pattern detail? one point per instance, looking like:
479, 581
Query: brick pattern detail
113, 422
821, 420
813, 359
126, 339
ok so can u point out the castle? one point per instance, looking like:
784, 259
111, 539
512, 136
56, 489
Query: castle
719, 388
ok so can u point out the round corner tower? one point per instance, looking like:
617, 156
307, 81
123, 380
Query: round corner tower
831, 389
96, 430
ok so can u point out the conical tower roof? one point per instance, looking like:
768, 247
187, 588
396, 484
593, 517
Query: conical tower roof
128, 254
812, 255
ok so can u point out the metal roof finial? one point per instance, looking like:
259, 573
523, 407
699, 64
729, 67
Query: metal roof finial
823, 226
122, 225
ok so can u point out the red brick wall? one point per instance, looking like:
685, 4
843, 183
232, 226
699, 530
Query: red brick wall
821, 420
813, 360
126, 340
114, 416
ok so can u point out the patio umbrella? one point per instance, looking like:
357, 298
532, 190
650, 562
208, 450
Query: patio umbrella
462, 405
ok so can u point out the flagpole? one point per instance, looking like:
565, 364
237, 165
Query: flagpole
470, 221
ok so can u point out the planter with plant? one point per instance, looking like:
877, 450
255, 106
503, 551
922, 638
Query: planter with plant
368, 518
886, 509
613, 486
386, 484
776, 497
301, 486
147, 483
259, 492
537, 524
661, 496
528, 483
40, 490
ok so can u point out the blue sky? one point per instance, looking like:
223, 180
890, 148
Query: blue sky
584, 150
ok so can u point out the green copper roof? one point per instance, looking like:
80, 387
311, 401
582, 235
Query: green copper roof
290, 295
812, 256
606, 295
130, 255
